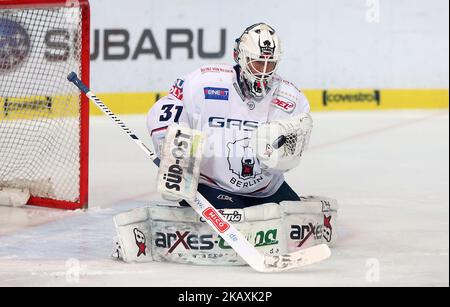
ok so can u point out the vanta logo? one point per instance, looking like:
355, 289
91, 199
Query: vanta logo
14, 44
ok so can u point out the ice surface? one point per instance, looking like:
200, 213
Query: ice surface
389, 171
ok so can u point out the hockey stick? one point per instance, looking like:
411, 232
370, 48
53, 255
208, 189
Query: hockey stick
258, 261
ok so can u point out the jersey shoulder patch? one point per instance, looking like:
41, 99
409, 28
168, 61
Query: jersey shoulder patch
176, 91
221, 73
289, 98
212, 82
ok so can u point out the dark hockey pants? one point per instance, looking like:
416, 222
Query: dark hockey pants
224, 200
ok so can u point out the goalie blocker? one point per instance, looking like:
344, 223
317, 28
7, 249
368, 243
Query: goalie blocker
167, 233
179, 170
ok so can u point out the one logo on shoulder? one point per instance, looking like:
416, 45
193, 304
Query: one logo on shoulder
216, 93
287, 106
177, 89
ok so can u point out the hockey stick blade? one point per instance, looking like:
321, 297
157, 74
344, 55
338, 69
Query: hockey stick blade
258, 261
297, 259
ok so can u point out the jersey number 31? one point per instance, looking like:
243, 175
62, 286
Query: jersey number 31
168, 113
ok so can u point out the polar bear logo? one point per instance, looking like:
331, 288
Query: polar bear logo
242, 160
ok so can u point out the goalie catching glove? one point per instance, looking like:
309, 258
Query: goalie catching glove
280, 144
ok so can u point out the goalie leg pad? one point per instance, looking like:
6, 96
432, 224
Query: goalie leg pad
311, 221
168, 233
178, 234
133, 236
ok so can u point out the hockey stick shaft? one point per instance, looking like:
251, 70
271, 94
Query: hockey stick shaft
215, 219
75, 80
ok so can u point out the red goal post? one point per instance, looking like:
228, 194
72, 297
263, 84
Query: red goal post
44, 123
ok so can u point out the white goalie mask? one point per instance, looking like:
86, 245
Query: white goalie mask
258, 53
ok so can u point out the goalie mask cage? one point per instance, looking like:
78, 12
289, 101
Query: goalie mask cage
44, 120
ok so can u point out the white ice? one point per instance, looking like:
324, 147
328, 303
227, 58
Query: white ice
389, 171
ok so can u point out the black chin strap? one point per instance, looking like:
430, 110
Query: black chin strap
237, 69
242, 85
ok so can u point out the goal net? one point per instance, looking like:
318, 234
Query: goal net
43, 118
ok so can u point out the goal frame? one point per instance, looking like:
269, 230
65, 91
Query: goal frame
84, 101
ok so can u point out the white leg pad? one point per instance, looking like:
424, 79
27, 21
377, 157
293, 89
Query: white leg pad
134, 235
167, 233
310, 222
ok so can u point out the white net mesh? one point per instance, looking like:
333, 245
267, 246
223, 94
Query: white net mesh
39, 108
297, 134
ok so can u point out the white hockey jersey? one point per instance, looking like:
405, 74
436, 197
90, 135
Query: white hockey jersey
210, 99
